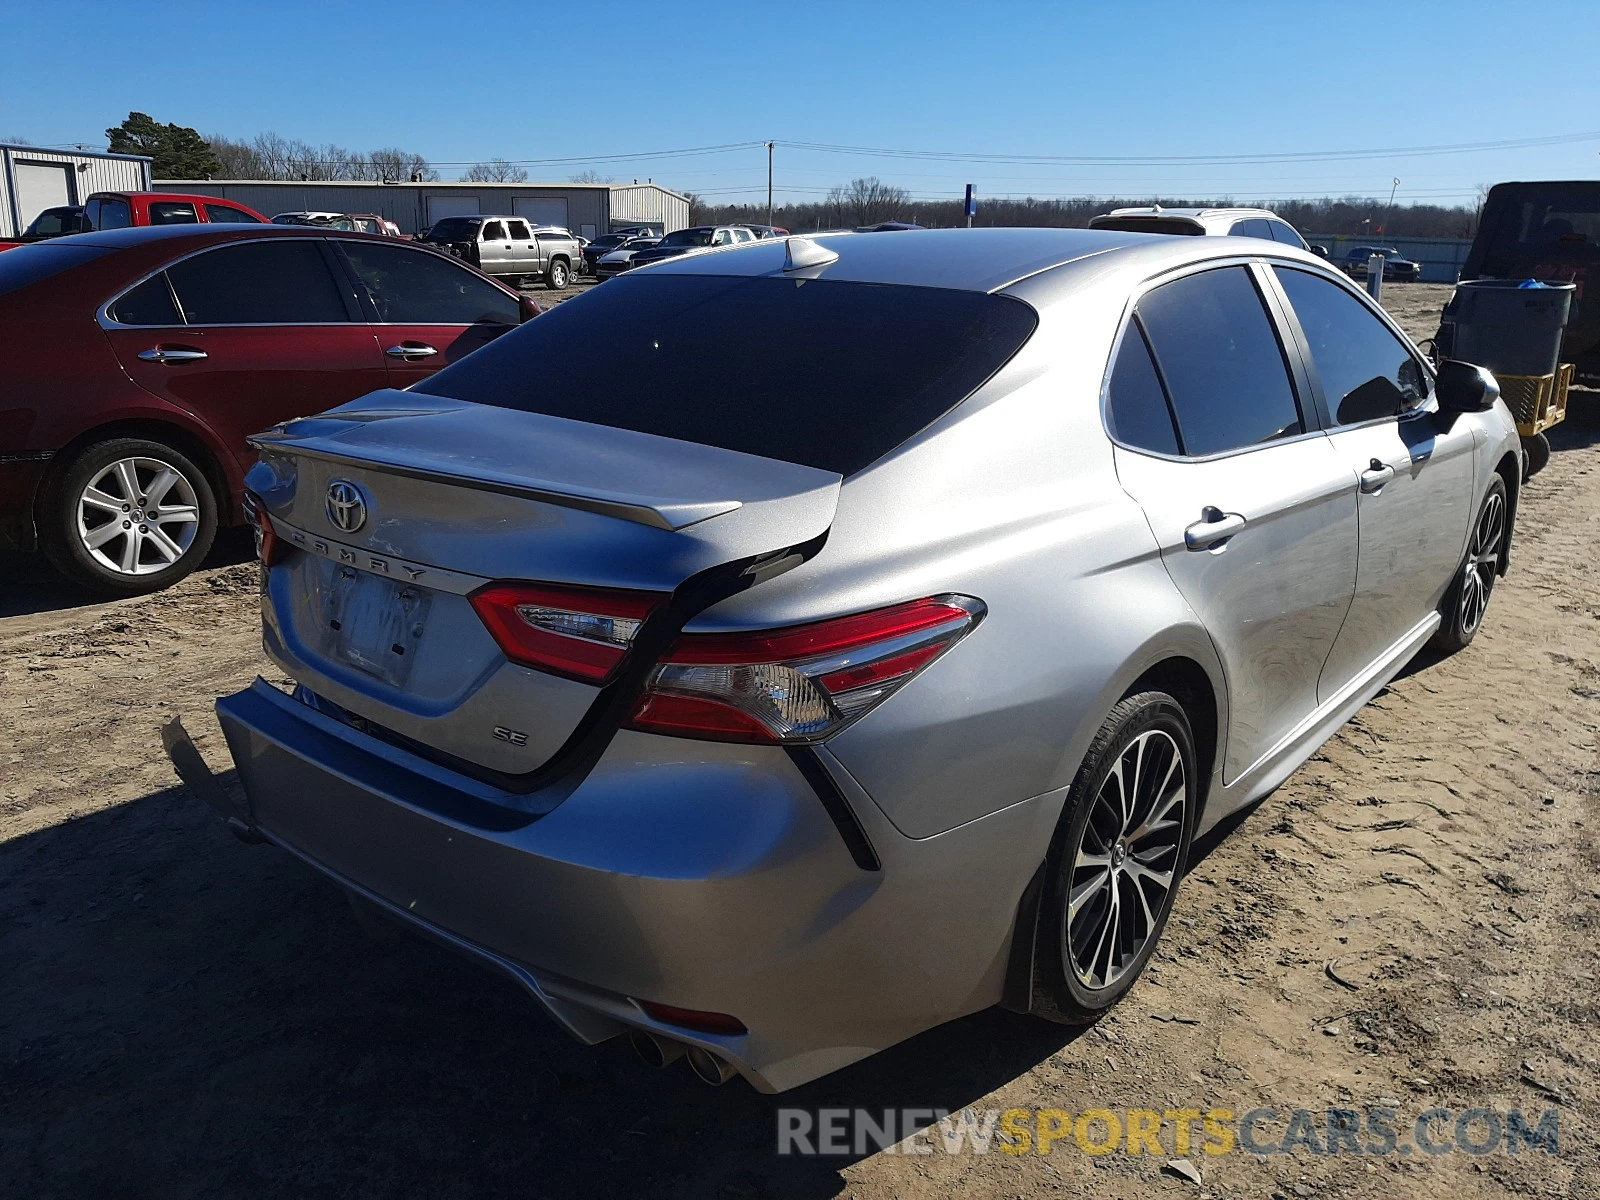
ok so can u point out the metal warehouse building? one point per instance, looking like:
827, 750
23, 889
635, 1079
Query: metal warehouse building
585, 208
33, 179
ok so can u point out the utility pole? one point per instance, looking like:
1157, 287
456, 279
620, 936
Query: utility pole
769, 183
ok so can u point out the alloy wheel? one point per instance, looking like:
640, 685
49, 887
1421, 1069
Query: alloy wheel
138, 516
1483, 560
1125, 867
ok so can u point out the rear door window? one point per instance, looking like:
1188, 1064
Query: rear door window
420, 287
281, 282
150, 303
1256, 227
1367, 373
226, 214
494, 231
172, 212
1220, 358
114, 213
830, 374
1137, 408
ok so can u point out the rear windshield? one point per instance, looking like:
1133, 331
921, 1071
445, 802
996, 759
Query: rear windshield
454, 229
688, 237
1148, 225
827, 374
40, 260
1530, 226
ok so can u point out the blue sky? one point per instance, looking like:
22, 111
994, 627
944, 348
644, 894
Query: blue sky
1148, 80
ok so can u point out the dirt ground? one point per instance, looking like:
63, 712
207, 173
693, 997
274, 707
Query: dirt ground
1411, 919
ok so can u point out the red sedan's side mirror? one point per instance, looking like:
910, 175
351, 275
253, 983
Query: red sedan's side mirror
529, 307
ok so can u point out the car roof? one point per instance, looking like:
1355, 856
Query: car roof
1155, 211
140, 235
983, 260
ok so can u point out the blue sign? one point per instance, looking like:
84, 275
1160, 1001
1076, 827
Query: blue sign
972, 202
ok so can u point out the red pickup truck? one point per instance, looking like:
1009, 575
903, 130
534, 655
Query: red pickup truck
119, 210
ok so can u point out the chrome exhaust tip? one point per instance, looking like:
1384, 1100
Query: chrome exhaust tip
715, 1071
657, 1051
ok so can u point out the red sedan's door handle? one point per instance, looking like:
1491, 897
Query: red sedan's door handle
411, 350
1213, 529
172, 354
1375, 476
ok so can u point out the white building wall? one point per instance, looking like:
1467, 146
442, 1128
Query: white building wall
87, 173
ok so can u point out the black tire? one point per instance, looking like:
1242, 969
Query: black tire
557, 274
69, 518
1153, 729
1466, 600
1538, 449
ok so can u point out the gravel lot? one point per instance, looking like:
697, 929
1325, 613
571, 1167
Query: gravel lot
182, 1015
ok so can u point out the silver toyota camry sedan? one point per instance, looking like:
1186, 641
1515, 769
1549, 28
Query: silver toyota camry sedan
783, 650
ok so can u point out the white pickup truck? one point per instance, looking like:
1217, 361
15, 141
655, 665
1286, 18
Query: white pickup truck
509, 248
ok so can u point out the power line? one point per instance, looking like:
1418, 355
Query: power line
1201, 159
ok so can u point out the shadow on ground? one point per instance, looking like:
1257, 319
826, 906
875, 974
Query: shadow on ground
28, 584
186, 1016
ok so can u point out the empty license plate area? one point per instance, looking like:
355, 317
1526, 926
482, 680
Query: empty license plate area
375, 623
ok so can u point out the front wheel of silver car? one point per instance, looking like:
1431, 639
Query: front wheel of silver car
1467, 600
128, 516
1116, 860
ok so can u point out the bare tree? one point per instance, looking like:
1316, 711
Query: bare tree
592, 176
400, 165
496, 170
869, 200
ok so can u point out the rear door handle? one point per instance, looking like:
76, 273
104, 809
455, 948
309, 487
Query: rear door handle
1375, 476
410, 350
172, 354
1212, 529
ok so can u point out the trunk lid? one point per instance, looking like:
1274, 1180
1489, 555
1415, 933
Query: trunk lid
395, 508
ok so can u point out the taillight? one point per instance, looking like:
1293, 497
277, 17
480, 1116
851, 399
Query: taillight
267, 544
799, 684
581, 633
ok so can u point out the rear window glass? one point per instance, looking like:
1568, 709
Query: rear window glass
1148, 225
1541, 224
454, 229
30, 264
827, 374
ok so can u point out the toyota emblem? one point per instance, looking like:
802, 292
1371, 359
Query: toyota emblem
347, 507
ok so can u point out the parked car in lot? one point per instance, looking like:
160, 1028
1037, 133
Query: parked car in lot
123, 210
1215, 222
767, 231
60, 221
1395, 264
509, 248
617, 260
319, 220
1547, 230
606, 243
687, 241
781, 702
154, 353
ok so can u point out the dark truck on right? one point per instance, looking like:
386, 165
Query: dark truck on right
1548, 231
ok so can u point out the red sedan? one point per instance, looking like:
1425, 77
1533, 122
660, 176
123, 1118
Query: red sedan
141, 359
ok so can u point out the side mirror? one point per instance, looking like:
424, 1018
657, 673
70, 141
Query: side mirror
1320, 251
529, 308
1464, 387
